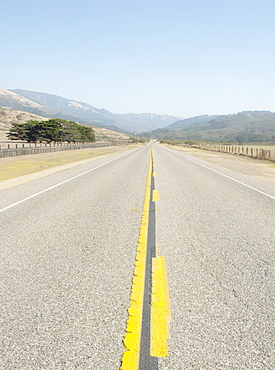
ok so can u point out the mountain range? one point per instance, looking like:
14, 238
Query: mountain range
9, 116
244, 126
54, 106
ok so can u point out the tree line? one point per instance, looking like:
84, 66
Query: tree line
52, 130
247, 137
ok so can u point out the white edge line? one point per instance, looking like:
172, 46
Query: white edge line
61, 183
222, 174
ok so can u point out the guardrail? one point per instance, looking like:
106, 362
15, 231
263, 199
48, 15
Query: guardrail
239, 150
18, 149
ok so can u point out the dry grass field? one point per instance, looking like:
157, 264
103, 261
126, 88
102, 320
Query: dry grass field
13, 167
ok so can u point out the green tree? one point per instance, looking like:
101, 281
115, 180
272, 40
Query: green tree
51, 130
87, 133
33, 131
75, 132
17, 132
70, 132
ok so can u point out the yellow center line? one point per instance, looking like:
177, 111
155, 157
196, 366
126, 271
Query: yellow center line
160, 309
132, 339
160, 306
155, 195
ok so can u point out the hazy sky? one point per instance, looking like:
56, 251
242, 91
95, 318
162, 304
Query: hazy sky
180, 57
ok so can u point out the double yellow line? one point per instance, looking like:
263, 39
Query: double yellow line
160, 306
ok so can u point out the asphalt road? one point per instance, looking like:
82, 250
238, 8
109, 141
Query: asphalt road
68, 244
218, 237
66, 265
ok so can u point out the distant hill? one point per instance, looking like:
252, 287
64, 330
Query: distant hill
83, 111
57, 106
147, 121
9, 116
243, 127
192, 121
11, 100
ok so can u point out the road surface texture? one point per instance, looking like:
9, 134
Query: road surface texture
218, 237
66, 265
68, 244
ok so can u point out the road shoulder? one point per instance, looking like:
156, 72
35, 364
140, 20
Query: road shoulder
262, 169
19, 170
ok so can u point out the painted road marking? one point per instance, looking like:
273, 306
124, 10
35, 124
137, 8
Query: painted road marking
222, 174
140, 351
160, 311
155, 196
132, 339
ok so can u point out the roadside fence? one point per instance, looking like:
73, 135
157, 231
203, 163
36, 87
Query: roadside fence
17, 149
239, 150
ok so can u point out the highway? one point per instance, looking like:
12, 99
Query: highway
68, 247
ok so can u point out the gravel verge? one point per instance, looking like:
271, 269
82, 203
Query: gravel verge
259, 168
